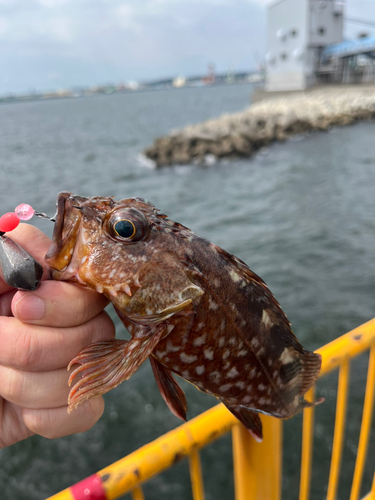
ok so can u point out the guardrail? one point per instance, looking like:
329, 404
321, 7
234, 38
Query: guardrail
256, 477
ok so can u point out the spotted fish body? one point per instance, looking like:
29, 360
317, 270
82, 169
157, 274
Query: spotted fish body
190, 306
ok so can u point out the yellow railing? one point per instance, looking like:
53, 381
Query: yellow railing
257, 466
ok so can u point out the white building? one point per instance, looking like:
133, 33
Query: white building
297, 32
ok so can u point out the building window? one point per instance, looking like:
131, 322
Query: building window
321, 31
284, 56
298, 53
293, 33
270, 58
281, 34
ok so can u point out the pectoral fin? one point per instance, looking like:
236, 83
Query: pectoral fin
250, 419
169, 389
104, 365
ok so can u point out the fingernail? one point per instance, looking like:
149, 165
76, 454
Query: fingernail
30, 307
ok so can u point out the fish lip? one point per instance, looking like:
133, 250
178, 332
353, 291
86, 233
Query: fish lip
58, 257
59, 225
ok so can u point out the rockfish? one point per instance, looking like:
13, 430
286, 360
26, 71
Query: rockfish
192, 308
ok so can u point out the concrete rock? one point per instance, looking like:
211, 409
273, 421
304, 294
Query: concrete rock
274, 119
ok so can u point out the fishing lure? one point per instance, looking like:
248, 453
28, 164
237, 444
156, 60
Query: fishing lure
18, 268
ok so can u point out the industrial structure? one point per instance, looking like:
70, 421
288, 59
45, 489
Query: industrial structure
305, 46
351, 61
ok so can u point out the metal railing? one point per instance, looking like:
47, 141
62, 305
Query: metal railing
257, 466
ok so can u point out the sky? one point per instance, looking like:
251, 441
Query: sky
54, 44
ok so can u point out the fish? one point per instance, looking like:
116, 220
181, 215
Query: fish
192, 308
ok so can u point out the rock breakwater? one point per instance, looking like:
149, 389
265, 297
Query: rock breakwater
273, 119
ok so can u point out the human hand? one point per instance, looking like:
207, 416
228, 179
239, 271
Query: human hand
40, 332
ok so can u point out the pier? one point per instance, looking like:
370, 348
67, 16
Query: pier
274, 116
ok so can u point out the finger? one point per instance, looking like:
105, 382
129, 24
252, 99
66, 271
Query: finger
12, 427
34, 389
34, 242
56, 303
6, 303
57, 422
39, 348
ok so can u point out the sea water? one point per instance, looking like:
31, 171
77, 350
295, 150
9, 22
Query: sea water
300, 214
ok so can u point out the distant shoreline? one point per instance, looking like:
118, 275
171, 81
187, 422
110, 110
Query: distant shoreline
238, 79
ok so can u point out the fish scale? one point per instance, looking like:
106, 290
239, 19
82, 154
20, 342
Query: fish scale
192, 308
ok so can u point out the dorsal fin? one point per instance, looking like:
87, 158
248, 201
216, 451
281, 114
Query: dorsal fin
246, 273
240, 265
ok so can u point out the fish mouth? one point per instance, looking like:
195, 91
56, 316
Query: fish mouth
65, 232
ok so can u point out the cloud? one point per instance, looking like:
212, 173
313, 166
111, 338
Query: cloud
52, 3
83, 42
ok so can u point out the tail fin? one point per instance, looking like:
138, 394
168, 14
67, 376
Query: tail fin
311, 364
298, 375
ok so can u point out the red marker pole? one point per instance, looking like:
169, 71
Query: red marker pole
90, 488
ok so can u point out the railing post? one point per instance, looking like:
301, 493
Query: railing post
307, 447
196, 475
365, 427
258, 466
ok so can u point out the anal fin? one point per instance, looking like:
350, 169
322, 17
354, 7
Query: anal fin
104, 365
169, 389
250, 419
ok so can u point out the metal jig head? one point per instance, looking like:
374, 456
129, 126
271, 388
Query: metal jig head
18, 268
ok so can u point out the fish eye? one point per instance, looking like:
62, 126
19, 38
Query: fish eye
126, 225
124, 228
